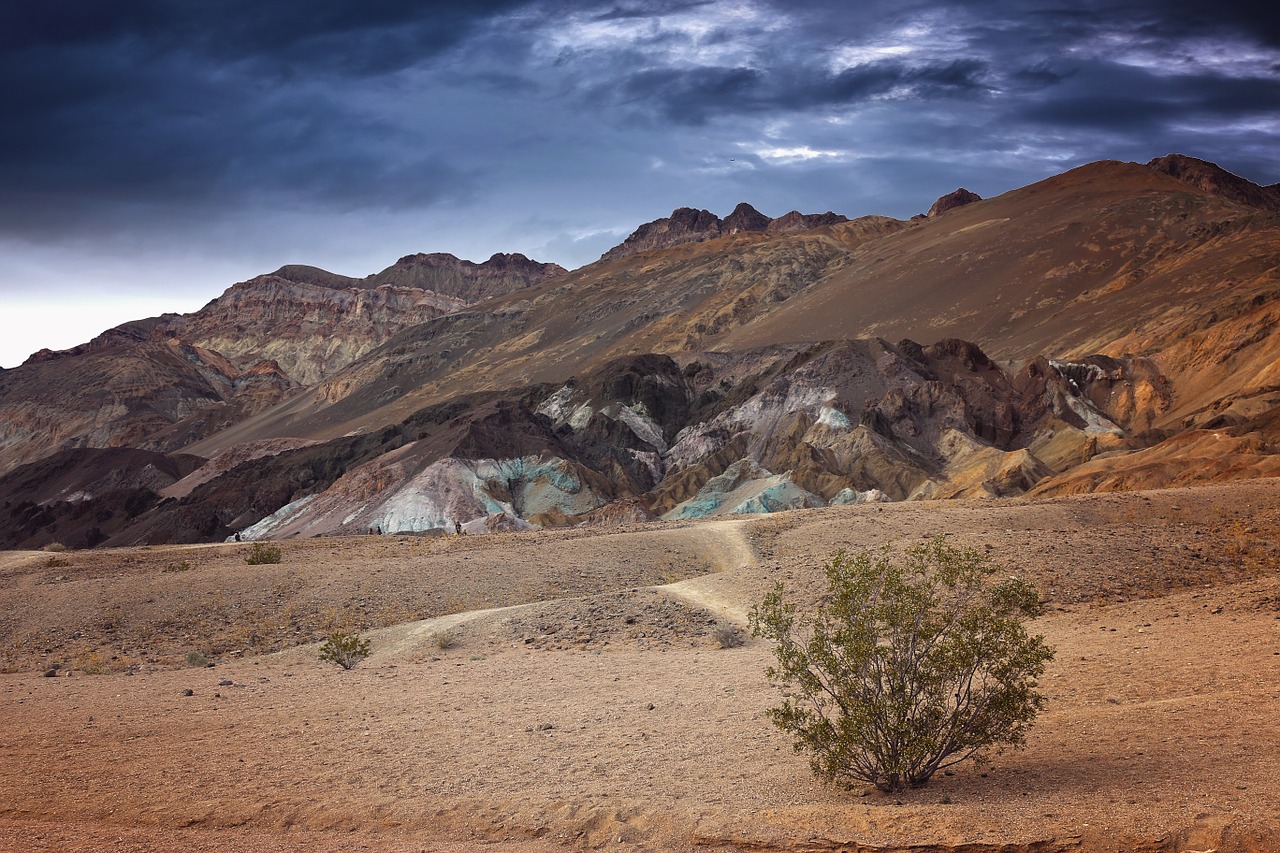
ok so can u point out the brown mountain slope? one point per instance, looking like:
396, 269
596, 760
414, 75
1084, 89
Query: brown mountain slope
313, 322
1067, 267
163, 382
1169, 284
1063, 267
310, 330
678, 299
1122, 306
122, 392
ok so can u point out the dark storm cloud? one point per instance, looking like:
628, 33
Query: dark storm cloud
372, 36
111, 110
647, 9
1255, 19
1139, 100
155, 102
694, 95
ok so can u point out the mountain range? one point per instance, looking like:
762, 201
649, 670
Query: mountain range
1111, 327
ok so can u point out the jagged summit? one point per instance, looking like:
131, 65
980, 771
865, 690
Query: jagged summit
1216, 180
745, 218
797, 221
448, 275
689, 225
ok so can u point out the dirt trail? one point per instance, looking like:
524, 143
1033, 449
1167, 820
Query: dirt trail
404, 641
728, 540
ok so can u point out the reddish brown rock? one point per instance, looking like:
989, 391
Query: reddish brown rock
797, 221
684, 225
745, 218
1216, 180
951, 201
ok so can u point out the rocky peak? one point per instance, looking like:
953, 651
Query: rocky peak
448, 275
519, 264
303, 274
1213, 179
745, 218
951, 201
684, 225
689, 225
797, 221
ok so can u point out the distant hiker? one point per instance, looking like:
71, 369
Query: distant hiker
457, 528
237, 536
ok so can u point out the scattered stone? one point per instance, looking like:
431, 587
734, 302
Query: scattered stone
188, 692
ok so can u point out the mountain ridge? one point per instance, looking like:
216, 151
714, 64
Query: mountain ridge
1077, 333
690, 225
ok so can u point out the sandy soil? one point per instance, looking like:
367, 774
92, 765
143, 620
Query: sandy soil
573, 689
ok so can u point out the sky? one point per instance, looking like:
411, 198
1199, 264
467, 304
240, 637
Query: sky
152, 153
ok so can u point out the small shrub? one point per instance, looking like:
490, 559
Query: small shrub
907, 667
184, 566
442, 639
344, 649
56, 563
91, 661
195, 658
54, 548
727, 635
262, 554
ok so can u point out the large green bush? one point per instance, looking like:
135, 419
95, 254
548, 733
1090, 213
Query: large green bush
907, 665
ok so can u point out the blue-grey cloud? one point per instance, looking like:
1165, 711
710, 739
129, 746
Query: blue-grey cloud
692, 96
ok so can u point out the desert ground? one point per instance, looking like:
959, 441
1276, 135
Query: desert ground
585, 689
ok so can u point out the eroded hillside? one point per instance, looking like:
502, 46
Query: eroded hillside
1107, 328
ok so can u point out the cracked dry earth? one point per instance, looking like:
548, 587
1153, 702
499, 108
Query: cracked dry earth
585, 701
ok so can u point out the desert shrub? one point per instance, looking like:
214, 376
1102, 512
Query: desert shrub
262, 554
91, 661
54, 548
183, 566
442, 639
56, 563
195, 658
727, 635
345, 649
906, 665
